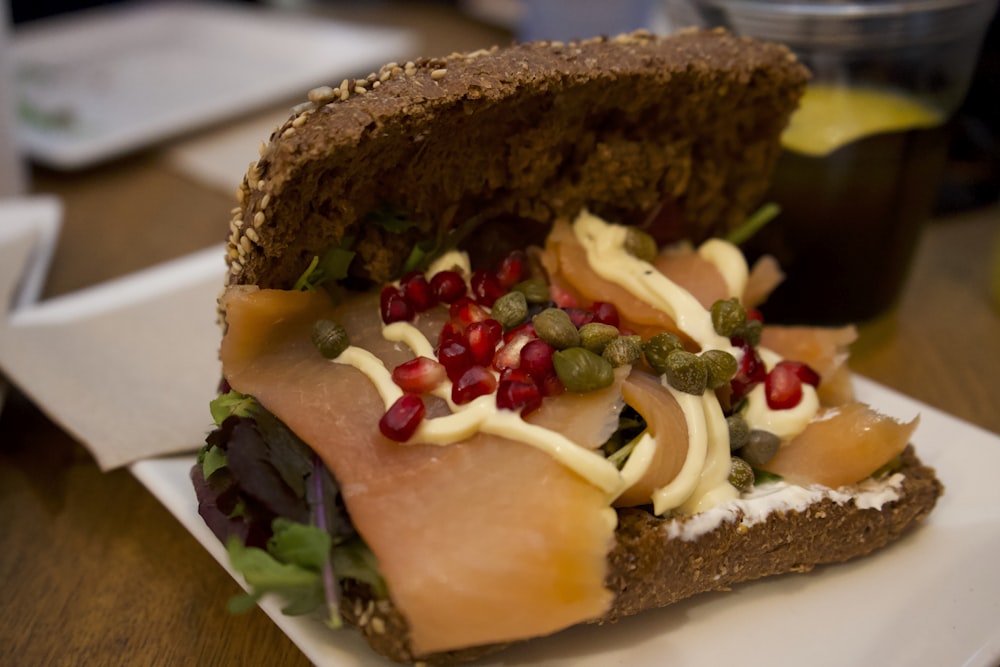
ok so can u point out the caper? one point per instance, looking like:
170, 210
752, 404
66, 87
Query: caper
686, 372
658, 347
727, 315
535, 290
750, 331
330, 338
640, 244
581, 370
510, 310
721, 366
739, 431
554, 327
761, 447
595, 336
623, 351
535, 308
740, 474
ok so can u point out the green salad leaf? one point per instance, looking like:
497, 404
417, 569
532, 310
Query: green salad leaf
754, 223
298, 543
331, 266
290, 567
296, 565
425, 252
211, 458
232, 403
392, 219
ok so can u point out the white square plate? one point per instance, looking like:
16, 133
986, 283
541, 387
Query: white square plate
931, 599
101, 83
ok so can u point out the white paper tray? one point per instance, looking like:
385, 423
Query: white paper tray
101, 83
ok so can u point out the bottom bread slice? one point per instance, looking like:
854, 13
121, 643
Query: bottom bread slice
658, 561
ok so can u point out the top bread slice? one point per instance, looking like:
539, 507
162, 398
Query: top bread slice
622, 126
534, 131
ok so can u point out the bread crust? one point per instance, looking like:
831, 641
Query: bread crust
649, 569
534, 131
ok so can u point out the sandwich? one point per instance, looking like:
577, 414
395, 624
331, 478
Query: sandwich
494, 365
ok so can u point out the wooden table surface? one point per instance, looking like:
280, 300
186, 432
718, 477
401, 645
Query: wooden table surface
96, 572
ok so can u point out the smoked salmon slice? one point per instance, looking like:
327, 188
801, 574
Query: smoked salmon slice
666, 423
694, 273
484, 541
842, 446
824, 349
565, 259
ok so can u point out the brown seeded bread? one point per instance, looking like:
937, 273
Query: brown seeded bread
621, 126
534, 131
648, 569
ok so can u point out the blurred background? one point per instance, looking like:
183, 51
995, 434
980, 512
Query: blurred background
972, 176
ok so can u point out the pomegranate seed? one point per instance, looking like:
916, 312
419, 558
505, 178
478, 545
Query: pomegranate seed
750, 370
550, 385
561, 297
448, 286
783, 388
536, 358
449, 333
419, 376
418, 291
511, 270
402, 418
483, 338
754, 314
523, 396
528, 328
802, 371
476, 381
486, 288
394, 306
579, 317
465, 311
516, 375
455, 357
509, 355
605, 313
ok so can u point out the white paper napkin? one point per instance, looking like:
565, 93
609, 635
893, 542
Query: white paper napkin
104, 82
126, 367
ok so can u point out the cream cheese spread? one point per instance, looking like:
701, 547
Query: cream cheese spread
757, 505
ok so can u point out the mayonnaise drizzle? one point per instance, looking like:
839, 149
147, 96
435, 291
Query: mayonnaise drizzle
786, 423
729, 260
453, 260
683, 485
605, 247
713, 485
375, 369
